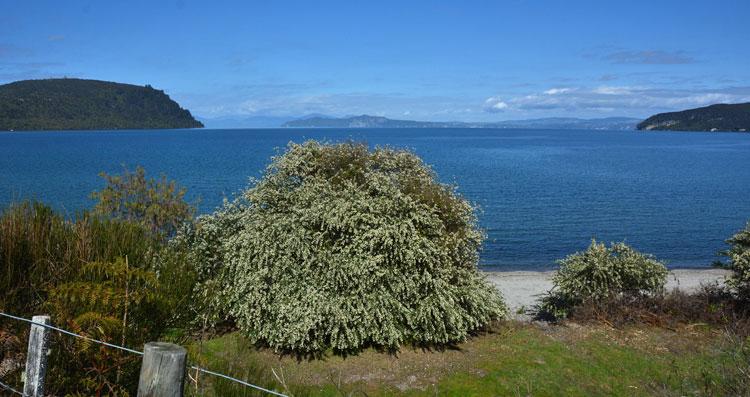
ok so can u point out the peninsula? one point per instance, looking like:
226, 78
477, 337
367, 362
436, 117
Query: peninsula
720, 117
76, 104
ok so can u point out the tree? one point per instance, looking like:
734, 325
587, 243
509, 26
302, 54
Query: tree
341, 247
159, 205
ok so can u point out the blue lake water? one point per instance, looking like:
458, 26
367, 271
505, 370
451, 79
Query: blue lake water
543, 193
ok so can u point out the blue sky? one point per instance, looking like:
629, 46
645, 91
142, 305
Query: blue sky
425, 60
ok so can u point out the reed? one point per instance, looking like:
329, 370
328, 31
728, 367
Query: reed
40, 249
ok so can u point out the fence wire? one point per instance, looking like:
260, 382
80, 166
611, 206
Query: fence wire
10, 389
72, 334
66, 332
238, 381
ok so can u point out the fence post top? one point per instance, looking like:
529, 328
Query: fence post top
43, 319
162, 370
164, 348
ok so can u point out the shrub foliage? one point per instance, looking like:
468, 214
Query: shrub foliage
159, 204
601, 273
341, 247
739, 263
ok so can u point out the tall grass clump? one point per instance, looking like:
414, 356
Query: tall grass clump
40, 249
35, 252
339, 247
601, 273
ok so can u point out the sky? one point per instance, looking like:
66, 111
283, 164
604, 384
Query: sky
422, 60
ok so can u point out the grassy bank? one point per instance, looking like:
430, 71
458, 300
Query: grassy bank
513, 359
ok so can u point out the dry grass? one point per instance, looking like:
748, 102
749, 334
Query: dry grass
712, 306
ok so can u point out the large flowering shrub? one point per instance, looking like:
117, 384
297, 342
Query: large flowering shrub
341, 247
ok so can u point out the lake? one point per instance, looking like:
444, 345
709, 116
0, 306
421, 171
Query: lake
543, 194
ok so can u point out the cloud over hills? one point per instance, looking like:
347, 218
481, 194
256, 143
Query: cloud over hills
621, 99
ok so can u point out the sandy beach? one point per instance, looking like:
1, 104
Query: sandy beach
521, 289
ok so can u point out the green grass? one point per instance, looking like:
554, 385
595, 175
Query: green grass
515, 360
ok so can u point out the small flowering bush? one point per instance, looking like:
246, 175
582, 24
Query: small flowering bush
339, 247
600, 273
739, 263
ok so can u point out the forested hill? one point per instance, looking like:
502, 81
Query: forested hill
722, 117
75, 104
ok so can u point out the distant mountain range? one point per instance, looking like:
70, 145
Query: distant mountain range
365, 121
76, 104
722, 117
262, 121
243, 122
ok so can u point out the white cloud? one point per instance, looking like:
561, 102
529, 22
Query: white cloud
607, 90
626, 100
248, 107
495, 104
555, 91
704, 99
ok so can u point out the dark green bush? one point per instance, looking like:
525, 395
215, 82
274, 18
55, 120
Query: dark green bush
341, 247
601, 273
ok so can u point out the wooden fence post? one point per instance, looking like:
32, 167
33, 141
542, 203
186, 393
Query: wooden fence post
162, 371
36, 358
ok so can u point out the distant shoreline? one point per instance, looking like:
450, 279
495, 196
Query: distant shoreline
521, 289
367, 121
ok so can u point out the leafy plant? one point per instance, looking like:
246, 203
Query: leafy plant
157, 204
341, 247
739, 263
601, 273
116, 302
111, 301
76, 271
